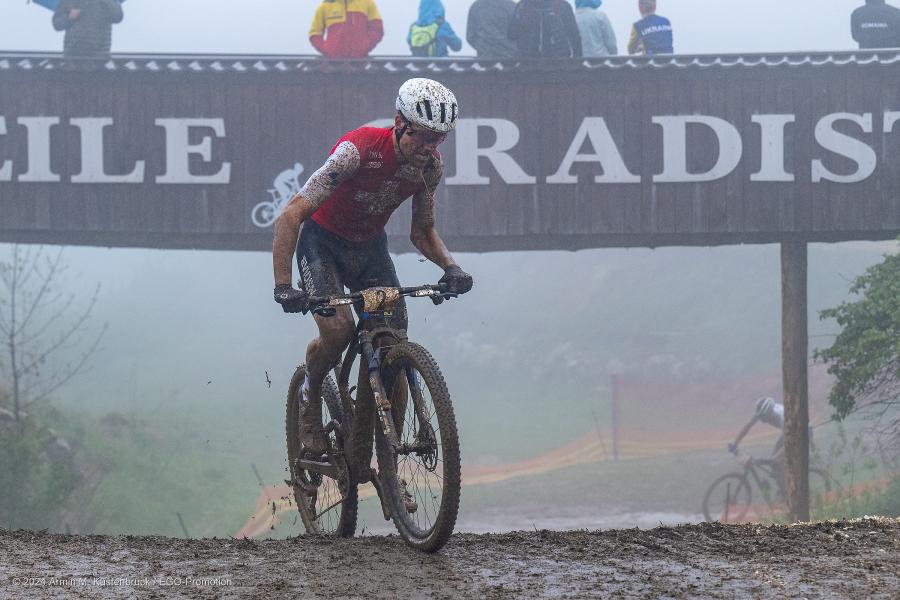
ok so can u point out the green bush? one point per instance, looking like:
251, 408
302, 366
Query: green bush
34, 486
865, 356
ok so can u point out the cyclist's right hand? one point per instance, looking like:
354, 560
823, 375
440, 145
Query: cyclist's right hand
291, 300
732, 447
456, 280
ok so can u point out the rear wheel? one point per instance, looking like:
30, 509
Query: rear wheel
776, 495
728, 499
327, 506
421, 479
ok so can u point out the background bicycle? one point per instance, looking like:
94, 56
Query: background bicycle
757, 493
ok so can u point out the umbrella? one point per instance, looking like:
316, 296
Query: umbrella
52, 4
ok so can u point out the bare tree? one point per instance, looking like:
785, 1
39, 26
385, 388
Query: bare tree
45, 336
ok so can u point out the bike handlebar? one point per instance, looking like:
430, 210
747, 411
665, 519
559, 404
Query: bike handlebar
325, 305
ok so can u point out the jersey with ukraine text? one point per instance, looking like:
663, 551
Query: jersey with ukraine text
362, 183
655, 34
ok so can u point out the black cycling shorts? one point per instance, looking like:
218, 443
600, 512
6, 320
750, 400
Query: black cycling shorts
329, 263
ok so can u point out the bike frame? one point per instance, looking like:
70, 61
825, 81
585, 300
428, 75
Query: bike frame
371, 328
766, 466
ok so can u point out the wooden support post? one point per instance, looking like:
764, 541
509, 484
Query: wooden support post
794, 347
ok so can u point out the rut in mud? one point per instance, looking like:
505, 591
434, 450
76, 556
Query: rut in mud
857, 559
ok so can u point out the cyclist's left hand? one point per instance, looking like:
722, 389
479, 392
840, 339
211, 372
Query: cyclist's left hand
456, 280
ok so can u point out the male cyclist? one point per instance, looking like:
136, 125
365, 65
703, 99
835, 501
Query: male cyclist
343, 209
771, 413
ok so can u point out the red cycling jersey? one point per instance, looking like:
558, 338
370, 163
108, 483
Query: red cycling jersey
363, 182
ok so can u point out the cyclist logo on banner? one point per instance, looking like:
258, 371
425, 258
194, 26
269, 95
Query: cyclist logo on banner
286, 184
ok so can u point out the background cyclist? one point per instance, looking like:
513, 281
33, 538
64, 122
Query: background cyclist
771, 413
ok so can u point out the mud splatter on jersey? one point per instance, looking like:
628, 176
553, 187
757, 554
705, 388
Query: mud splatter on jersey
362, 184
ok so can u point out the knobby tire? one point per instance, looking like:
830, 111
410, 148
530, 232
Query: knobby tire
399, 359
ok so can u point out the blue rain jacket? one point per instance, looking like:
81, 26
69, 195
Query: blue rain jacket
429, 12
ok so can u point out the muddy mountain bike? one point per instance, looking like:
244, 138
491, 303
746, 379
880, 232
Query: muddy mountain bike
402, 402
757, 492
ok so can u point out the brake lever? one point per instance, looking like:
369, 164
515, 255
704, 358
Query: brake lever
438, 300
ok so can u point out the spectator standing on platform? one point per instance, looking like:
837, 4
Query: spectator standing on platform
597, 35
545, 28
346, 28
88, 26
652, 34
876, 25
431, 34
488, 28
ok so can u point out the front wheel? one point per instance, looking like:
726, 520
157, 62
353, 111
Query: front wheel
326, 506
728, 499
421, 478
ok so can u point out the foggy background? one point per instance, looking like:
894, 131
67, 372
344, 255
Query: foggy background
177, 403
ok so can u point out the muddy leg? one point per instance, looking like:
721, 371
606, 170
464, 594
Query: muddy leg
321, 355
399, 394
325, 351
400, 403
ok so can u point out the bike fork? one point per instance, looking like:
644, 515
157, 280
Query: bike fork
382, 403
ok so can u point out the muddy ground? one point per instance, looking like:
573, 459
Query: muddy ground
846, 559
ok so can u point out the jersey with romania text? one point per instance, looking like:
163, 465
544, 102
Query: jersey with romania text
363, 182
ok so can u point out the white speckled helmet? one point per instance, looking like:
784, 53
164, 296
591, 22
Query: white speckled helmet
428, 104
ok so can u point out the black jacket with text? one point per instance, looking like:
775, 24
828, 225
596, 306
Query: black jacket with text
876, 25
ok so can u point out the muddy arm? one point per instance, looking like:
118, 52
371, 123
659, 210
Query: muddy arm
742, 433
287, 229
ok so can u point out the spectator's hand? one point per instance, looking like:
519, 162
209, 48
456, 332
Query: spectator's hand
456, 280
732, 447
74, 13
291, 300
